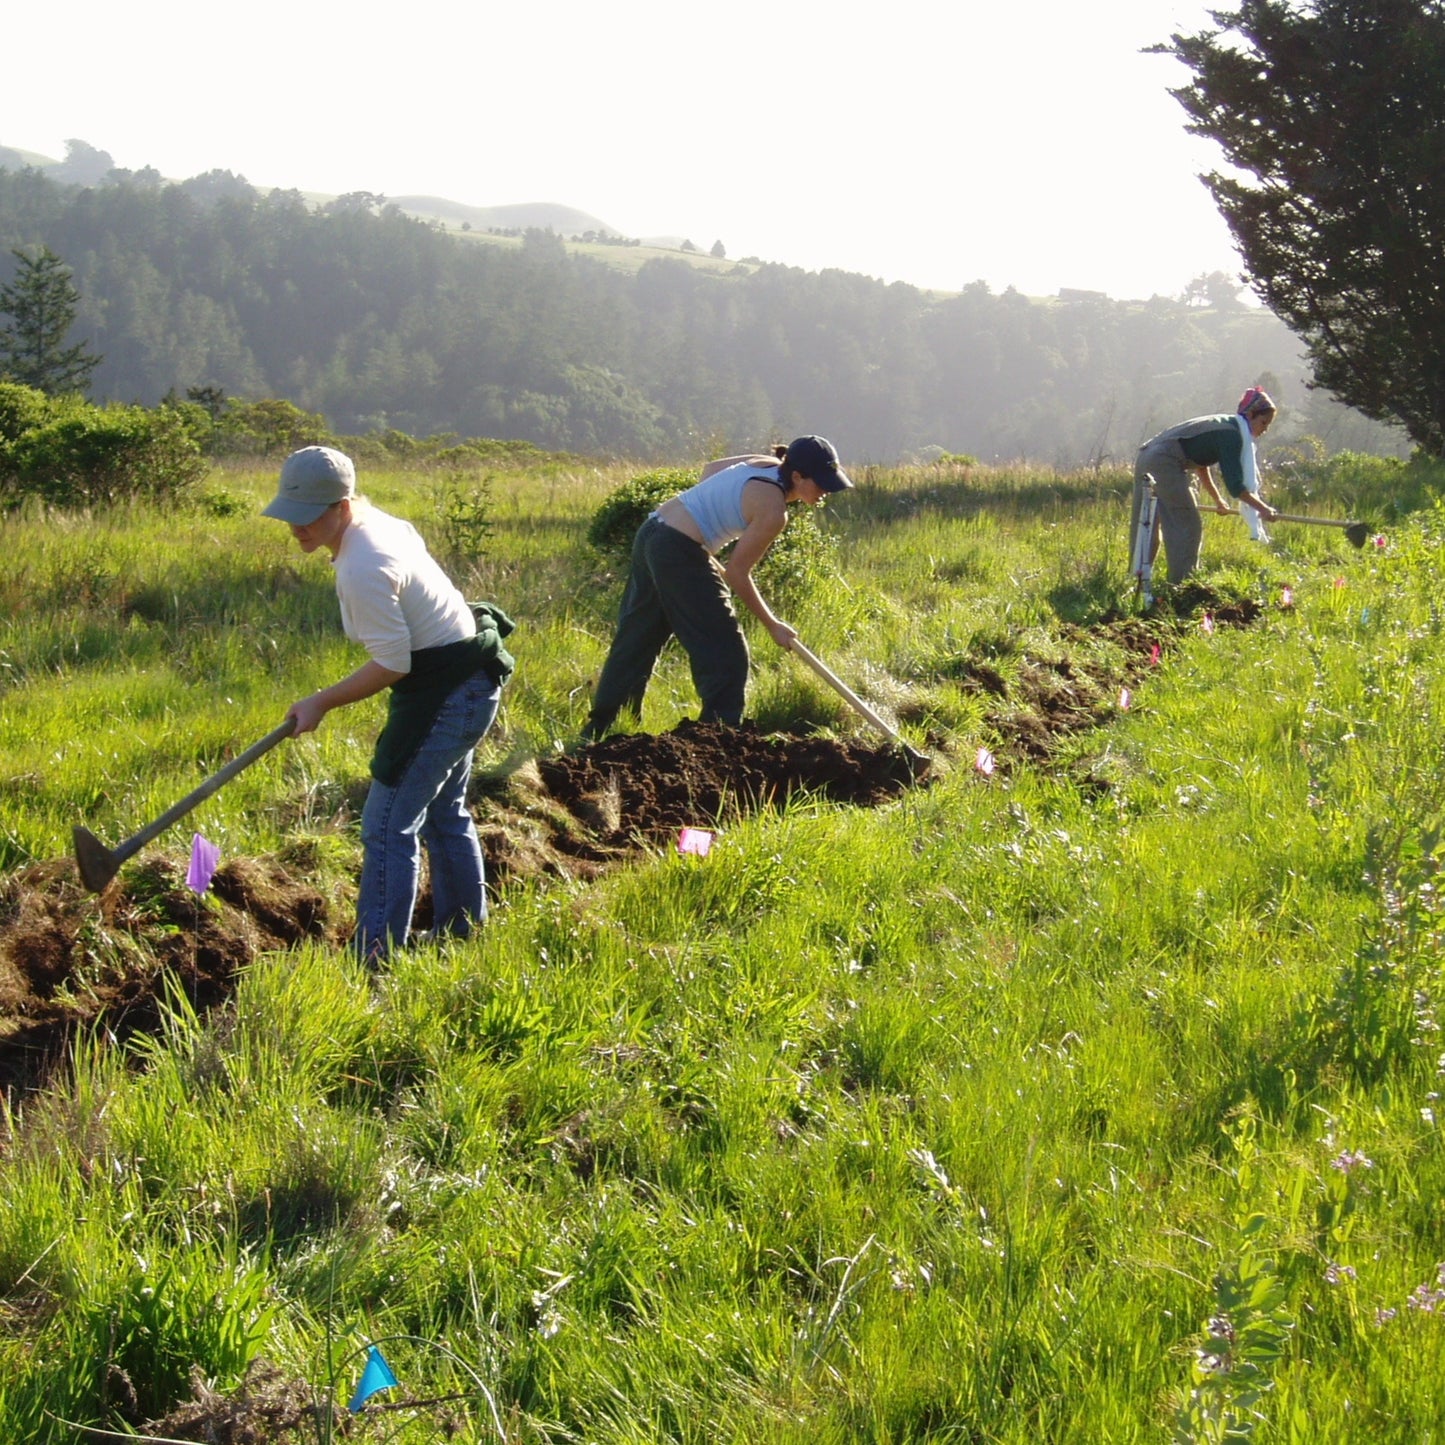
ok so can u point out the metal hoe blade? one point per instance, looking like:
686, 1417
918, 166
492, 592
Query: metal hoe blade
98, 864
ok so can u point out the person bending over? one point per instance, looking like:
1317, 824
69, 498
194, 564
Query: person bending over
1185, 453
444, 663
677, 587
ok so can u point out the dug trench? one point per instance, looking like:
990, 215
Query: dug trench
72, 963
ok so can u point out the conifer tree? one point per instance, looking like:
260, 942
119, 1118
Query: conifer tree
1332, 115
41, 301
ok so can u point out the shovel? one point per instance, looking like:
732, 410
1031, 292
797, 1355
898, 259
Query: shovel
99, 864
1356, 532
918, 761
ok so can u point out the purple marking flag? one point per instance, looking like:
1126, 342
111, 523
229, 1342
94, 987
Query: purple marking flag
205, 858
984, 762
1125, 697
376, 1376
1207, 622
1286, 597
694, 840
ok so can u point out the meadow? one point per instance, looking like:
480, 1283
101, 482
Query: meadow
1087, 1100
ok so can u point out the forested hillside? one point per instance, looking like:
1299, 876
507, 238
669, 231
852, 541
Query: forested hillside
380, 320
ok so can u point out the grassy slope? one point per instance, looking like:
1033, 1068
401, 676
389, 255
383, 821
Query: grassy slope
955, 1121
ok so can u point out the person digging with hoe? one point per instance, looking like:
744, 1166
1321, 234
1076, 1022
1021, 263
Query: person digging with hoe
444, 663
678, 587
1186, 452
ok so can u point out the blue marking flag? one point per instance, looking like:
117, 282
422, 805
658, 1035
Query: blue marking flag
205, 858
376, 1376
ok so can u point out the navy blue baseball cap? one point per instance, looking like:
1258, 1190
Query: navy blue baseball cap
817, 459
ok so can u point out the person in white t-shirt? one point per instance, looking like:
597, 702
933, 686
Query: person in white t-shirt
443, 661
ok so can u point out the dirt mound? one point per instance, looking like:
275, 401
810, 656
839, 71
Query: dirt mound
639, 787
71, 962
575, 814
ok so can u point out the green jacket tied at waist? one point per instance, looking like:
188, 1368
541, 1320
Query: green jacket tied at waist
436, 672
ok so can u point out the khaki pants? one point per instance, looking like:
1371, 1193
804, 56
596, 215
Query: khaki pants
1177, 517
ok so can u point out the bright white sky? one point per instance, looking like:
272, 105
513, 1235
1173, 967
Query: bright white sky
1026, 143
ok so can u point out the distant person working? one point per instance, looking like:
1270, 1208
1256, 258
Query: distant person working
1185, 453
678, 587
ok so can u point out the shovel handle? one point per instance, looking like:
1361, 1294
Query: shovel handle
851, 697
217, 780
1314, 521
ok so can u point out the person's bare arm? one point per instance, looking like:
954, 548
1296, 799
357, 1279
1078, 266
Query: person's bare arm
1259, 504
766, 515
1206, 480
368, 680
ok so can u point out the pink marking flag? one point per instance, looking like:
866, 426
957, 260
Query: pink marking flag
1381, 540
1339, 582
694, 840
1207, 623
1154, 655
984, 762
1125, 698
205, 858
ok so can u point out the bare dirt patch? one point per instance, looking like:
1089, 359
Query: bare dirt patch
71, 962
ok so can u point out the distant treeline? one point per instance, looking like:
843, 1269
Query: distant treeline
379, 321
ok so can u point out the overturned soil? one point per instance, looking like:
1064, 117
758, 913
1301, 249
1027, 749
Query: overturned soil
71, 962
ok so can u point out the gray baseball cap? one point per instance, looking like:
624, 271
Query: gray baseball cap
312, 479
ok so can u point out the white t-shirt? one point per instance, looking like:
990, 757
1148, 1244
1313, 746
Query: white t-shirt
395, 599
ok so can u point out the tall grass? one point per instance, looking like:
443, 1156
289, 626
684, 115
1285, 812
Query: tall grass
1015, 1111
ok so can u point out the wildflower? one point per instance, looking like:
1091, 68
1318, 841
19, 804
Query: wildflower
1348, 1160
1383, 1317
1426, 1299
1339, 1274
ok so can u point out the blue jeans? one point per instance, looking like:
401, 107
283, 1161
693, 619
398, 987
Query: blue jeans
428, 805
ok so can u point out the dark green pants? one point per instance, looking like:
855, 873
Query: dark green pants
674, 589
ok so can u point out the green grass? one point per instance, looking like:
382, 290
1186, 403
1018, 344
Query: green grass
954, 1121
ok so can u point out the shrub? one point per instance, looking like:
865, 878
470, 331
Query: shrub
85, 456
22, 409
462, 503
268, 427
616, 521
801, 558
